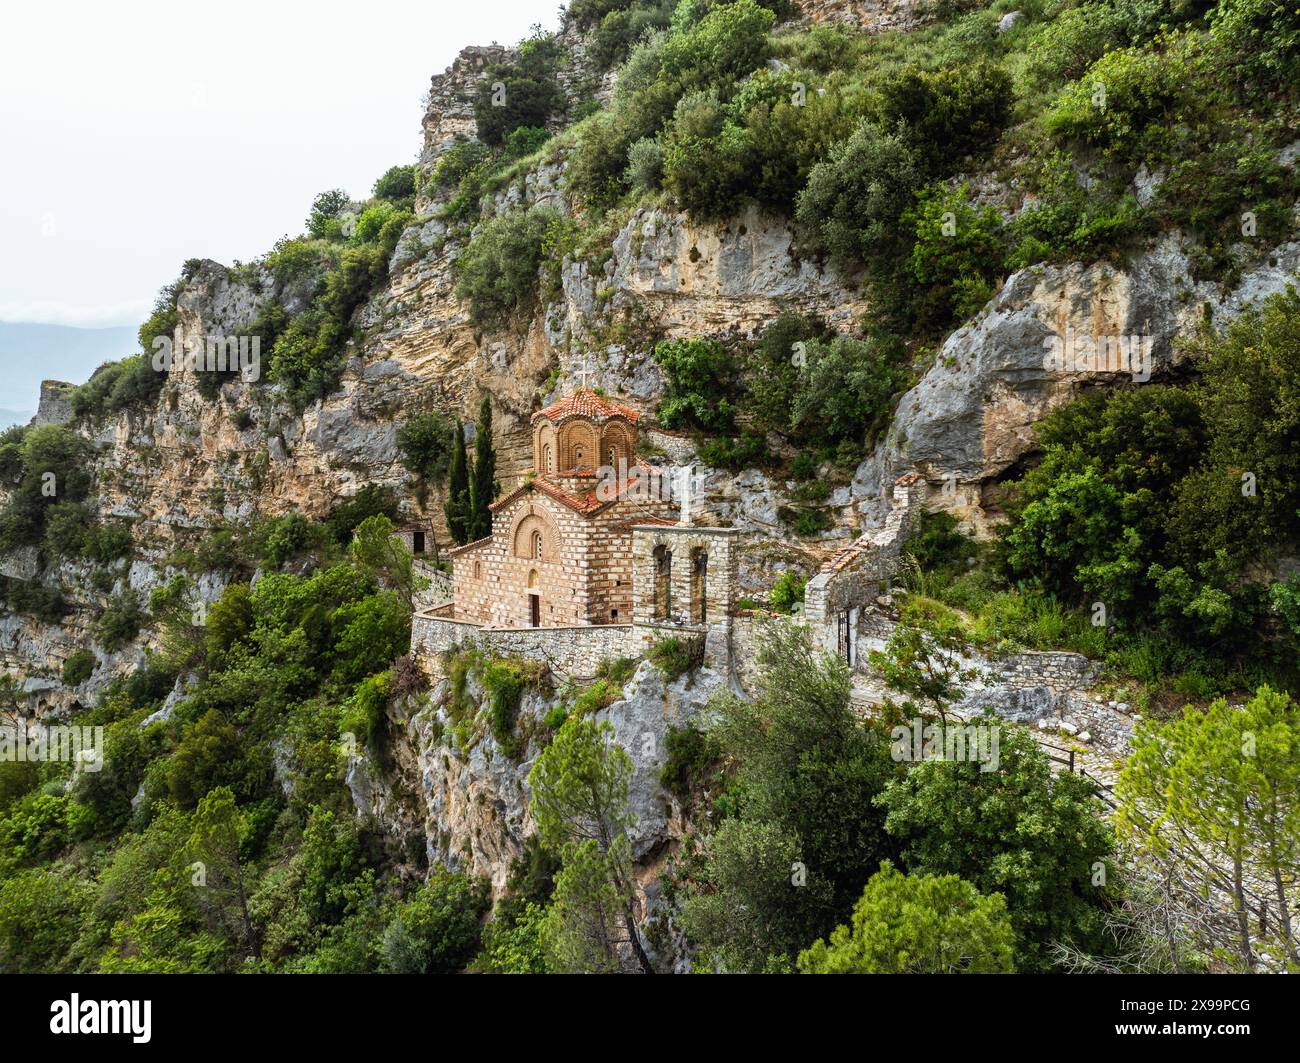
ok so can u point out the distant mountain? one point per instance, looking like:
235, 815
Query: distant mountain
12, 417
32, 353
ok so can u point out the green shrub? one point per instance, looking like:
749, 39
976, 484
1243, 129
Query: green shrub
846, 387
1069, 221
748, 451
1260, 39
853, 203
120, 621
645, 164
397, 185
773, 371
461, 159
78, 667
674, 657
436, 930
1125, 102
957, 258
364, 714
373, 500
690, 755
948, 114
497, 273
787, 591
728, 43
511, 96
701, 374
323, 221
426, 442
1064, 48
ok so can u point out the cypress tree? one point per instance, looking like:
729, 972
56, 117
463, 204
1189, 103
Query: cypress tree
483, 485
457, 506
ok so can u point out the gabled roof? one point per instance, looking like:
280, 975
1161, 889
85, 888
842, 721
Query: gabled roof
586, 403
469, 546
586, 503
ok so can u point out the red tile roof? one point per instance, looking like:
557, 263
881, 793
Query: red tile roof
587, 502
468, 546
586, 403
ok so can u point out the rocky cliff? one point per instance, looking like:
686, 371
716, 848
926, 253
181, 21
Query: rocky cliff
188, 464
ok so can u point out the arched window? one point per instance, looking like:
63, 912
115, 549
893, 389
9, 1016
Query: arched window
663, 602
699, 586
478, 569
537, 545
579, 454
547, 463
611, 457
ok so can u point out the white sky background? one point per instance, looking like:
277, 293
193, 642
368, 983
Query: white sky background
137, 134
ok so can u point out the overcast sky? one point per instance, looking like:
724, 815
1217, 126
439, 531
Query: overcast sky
137, 134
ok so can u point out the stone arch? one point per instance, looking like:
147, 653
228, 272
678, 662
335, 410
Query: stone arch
578, 446
545, 449
616, 448
699, 585
524, 537
662, 582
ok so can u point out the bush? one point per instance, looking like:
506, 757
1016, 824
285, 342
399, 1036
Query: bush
701, 374
322, 222
497, 273
948, 114
690, 755
853, 203
426, 442
748, 451
846, 387
728, 43
372, 500
787, 591
1261, 39
675, 657
957, 257
1143, 91
436, 930
78, 668
1065, 47
120, 621
511, 96
364, 714
910, 924
645, 164
397, 185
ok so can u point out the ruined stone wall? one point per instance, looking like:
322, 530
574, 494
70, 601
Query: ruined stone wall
695, 607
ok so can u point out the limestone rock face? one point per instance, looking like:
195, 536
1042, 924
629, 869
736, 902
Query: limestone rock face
474, 803
971, 416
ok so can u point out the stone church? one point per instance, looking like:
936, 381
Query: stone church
561, 549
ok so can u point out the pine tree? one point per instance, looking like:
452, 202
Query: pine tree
483, 484
457, 506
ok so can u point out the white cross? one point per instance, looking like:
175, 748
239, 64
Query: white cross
583, 373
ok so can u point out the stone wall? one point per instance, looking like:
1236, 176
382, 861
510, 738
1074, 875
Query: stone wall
440, 590
56, 403
855, 576
575, 652
694, 607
